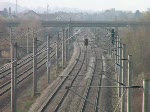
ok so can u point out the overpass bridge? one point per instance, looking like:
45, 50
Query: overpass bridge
56, 23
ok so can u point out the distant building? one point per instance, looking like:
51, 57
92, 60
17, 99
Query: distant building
5, 12
33, 15
30, 15
49, 16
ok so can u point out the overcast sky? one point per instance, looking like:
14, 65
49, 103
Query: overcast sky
94, 5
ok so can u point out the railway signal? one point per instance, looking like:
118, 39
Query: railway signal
86, 42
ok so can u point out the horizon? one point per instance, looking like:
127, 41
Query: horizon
92, 6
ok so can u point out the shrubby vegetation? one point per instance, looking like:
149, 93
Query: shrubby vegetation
137, 40
138, 44
19, 35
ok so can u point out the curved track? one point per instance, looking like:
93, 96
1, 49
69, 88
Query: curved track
60, 92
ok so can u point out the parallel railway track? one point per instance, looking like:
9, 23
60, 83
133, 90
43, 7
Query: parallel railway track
5, 70
27, 68
93, 94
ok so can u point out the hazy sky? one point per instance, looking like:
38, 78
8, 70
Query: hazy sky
94, 5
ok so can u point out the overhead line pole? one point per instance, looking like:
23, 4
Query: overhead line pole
34, 66
67, 45
69, 40
13, 77
119, 63
48, 59
13, 103
129, 91
28, 42
123, 76
146, 96
57, 53
65, 48
63, 35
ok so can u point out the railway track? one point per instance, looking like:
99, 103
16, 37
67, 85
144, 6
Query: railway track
25, 69
91, 96
59, 94
60, 97
5, 70
86, 98
7, 66
73, 92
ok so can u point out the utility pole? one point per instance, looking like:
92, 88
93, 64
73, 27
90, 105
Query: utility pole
57, 52
129, 91
10, 34
48, 59
34, 66
146, 96
65, 42
119, 63
63, 35
28, 42
15, 57
116, 53
67, 45
69, 40
123, 76
13, 79
116, 61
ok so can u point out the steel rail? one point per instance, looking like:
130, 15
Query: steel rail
66, 93
27, 58
94, 92
87, 92
58, 88
27, 70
